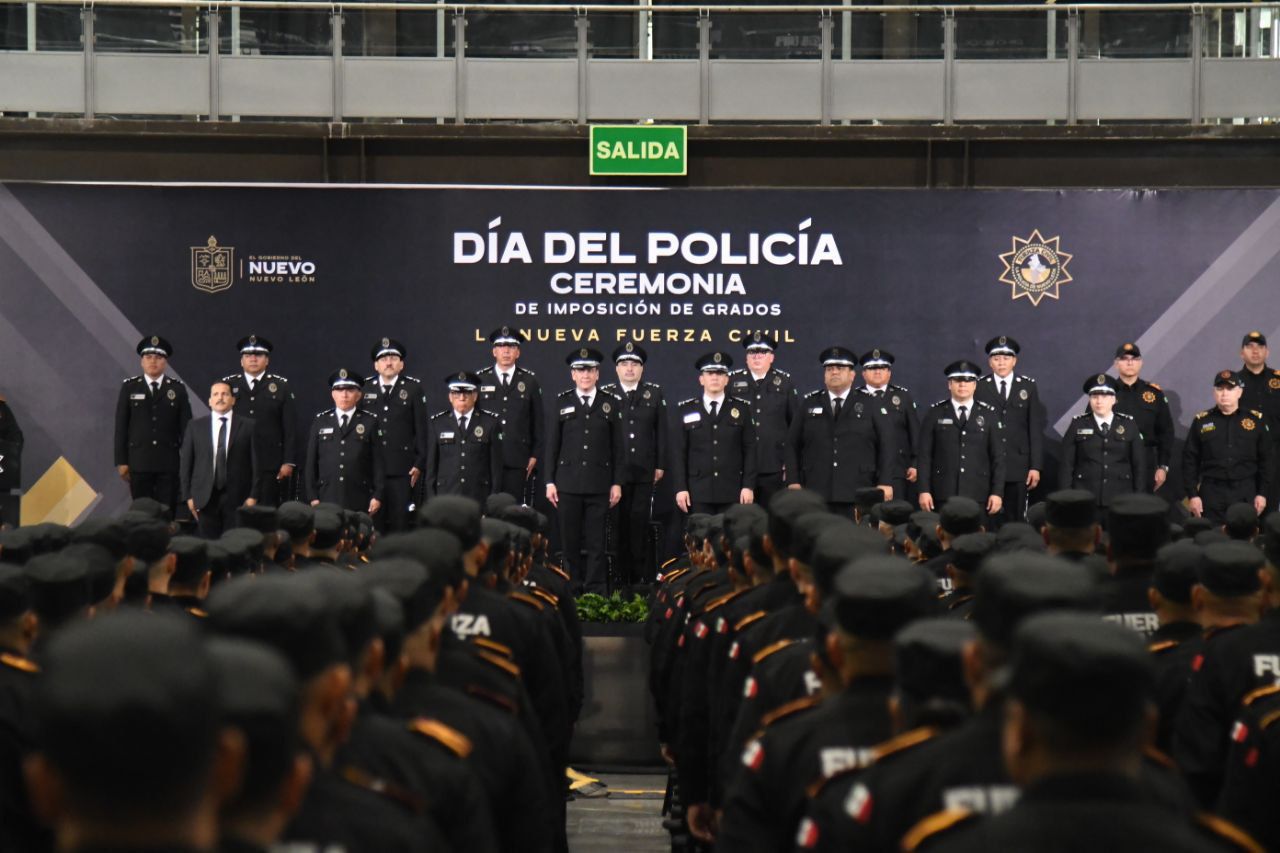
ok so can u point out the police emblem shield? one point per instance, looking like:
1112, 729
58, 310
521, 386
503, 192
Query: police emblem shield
604, 407
404, 395
1148, 396
1022, 395
520, 387
359, 429
1119, 429
273, 387
896, 400
479, 431
733, 413
212, 266
1247, 423
646, 395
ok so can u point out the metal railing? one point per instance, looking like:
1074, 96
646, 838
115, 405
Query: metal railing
933, 63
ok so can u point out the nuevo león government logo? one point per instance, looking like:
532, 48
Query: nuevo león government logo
1035, 267
212, 266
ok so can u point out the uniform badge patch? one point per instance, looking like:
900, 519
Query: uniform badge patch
777, 380
1274, 384
1022, 395
172, 395
604, 407
646, 395
520, 387
1148, 396
896, 400
1035, 267
980, 421
733, 413
359, 429
1247, 423
1119, 429
479, 432
273, 387
857, 408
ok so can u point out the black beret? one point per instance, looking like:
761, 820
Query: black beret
739, 518
151, 507
1241, 520
1230, 569
285, 613
868, 496
296, 518
147, 537
1193, 525
329, 528
1138, 521
524, 517
969, 550
245, 545
255, 683
16, 545
49, 536
1271, 539
99, 568
192, 562
1019, 536
960, 515
1071, 508
1036, 514
1011, 587
388, 618
129, 693
349, 600
697, 526
494, 504
1205, 538
456, 514
876, 597
438, 551
927, 659
839, 544
1177, 570
1091, 676
410, 583
807, 529
784, 508
923, 522
59, 586
15, 592
265, 519
110, 533
896, 512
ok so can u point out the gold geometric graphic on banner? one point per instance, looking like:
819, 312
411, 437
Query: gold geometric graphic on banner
61, 495
1035, 267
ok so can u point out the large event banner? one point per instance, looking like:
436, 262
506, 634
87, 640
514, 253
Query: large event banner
324, 272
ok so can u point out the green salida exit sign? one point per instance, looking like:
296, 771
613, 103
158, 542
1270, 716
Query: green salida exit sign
639, 149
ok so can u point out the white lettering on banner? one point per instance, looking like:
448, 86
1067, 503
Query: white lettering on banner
469, 625
281, 268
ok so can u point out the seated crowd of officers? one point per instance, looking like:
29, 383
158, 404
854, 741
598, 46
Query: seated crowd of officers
911, 680
298, 684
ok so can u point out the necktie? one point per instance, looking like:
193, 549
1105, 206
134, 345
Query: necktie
585, 404
837, 405
963, 420
714, 405
506, 380
386, 389
880, 393
342, 422
1105, 427
462, 423
1004, 390
631, 398
220, 456
253, 385
155, 388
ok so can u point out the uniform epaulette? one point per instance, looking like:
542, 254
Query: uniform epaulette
984, 405
410, 379
678, 573
687, 402
131, 379
737, 371
893, 387
741, 400
500, 662
520, 369
722, 600
1123, 415
485, 412
488, 369
365, 412
19, 663
493, 698
559, 571
1155, 386
231, 376
452, 739
1275, 372
1026, 378
197, 612
525, 599
771, 649
782, 373
442, 414
1155, 755
1203, 414
1254, 695
493, 646
610, 394
946, 402
651, 385
791, 708
609, 386
821, 784
1256, 413
818, 393
669, 562
548, 597
934, 824
1228, 831
905, 741
385, 789
323, 412
750, 619
568, 392
369, 380
275, 376
1162, 646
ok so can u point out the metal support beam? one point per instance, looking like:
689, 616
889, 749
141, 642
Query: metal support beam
825, 25
704, 67
86, 38
460, 67
335, 21
1073, 65
584, 53
948, 67
1197, 66
215, 48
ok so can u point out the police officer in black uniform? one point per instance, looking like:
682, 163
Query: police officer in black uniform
585, 456
514, 395
464, 456
267, 398
713, 456
1147, 404
400, 405
838, 443
644, 438
1017, 403
895, 405
1227, 457
1102, 450
774, 402
152, 413
962, 447
343, 466
1262, 394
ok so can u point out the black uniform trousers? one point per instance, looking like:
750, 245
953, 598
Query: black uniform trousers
1015, 502
397, 495
708, 507
514, 483
1217, 495
218, 516
160, 485
582, 519
631, 533
768, 485
274, 492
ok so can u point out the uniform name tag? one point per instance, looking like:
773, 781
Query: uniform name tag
444, 435
326, 431
1208, 427
568, 410
137, 396
488, 389
371, 396
816, 410
692, 417
1084, 432
942, 421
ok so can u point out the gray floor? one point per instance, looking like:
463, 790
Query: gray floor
630, 820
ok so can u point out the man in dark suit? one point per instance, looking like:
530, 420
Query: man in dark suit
1017, 403
152, 412
268, 400
644, 439
961, 449
1102, 449
713, 454
218, 465
514, 395
839, 443
400, 405
464, 455
584, 458
343, 465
